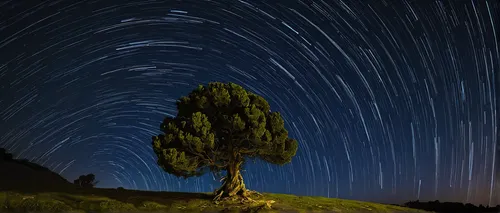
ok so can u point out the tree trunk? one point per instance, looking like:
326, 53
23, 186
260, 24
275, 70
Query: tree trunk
233, 183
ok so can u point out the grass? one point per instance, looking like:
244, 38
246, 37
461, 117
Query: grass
29, 187
113, 200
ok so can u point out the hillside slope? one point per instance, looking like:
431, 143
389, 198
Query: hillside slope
113, 200
22, 175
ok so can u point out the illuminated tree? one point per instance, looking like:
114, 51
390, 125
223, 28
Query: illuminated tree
218, 127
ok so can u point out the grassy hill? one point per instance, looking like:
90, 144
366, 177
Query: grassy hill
28, 187
25, 175
113, 200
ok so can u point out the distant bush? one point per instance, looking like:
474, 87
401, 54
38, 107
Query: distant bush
4, 155
120, 188
86, 181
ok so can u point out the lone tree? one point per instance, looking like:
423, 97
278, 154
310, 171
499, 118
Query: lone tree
217, 128
86, 181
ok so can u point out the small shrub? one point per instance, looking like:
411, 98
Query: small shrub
105, 206
113, 206
3, 200
17, 203
152, 206
53, 206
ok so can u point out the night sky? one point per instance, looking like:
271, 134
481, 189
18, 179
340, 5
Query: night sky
390, 100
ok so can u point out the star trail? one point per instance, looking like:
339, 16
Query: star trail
390, 100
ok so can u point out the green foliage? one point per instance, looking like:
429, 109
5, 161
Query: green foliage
218, 125
152, 206
19, 203
106, 206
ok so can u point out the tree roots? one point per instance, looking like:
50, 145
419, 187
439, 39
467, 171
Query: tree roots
233, 187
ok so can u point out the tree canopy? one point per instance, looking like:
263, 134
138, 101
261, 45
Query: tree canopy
217, 128
86, 181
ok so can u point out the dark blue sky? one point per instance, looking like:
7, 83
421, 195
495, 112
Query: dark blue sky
390, 100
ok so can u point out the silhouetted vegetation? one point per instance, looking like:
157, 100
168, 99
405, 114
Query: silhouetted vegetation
86, 181
216, 129
4, 155
450, 207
